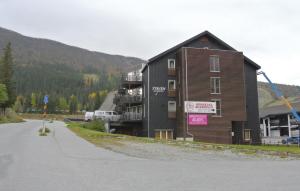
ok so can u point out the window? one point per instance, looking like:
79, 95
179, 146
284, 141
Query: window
171, 106
215, 84
171, 63
214, 63
247, 134
163, 134
218, 107
171, 85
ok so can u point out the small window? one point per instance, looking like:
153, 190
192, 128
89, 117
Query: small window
215, 85
171, 63
171, 106
214, 63
171, 85
247, 134
144, 108
218, 107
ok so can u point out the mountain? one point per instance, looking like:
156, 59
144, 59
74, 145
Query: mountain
49, 67
267, 97
27, 50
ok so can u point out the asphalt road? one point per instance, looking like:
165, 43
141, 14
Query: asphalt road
65, 162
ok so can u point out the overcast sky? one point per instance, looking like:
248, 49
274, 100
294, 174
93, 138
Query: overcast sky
267, 31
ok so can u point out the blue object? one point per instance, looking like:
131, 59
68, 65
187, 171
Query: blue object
291, 140
46, 99
280, 96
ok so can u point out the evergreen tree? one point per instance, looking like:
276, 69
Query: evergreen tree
3, 98
97, 101
3, 94
73, 104
7, 74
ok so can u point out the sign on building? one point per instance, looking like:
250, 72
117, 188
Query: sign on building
199, 107
198, 119
157, 90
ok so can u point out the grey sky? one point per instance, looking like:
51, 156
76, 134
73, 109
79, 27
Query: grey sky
267, 31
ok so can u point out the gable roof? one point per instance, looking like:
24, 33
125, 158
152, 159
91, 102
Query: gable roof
205, 33
278, 110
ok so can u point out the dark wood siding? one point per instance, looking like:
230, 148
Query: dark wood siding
232, 91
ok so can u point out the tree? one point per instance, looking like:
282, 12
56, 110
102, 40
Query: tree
97, 101
19, 104
33, 101
3, 97
7, 74
73, 103
3, 94
62, 104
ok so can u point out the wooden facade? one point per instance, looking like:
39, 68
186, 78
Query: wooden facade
237, 95
195, 86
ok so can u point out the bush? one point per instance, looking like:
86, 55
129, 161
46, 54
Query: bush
96, 125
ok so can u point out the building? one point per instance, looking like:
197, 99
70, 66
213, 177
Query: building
203, 68
277, 122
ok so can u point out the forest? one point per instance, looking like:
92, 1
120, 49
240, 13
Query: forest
23, 87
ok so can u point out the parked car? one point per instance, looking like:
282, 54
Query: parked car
291, 140
107, 115
89, 116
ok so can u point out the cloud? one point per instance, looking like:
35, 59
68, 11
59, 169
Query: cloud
265, 30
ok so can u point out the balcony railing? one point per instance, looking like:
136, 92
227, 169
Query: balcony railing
171, 92
172, 115
132, 116
171, 71
132, 78
123, 99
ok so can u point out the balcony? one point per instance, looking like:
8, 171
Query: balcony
127, 99
132, 81
171, 71
172, 92
172, 115
132, 116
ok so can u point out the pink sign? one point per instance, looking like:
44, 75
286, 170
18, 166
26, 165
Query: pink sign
197, 119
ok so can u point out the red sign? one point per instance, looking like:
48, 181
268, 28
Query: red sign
198, 119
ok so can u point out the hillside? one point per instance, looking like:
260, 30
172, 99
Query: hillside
268, 98
48, 67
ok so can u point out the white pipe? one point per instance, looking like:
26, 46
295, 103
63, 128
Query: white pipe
148, 120
289, 125
187, 93
265, 127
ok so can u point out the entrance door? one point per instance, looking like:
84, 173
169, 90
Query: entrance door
237, 132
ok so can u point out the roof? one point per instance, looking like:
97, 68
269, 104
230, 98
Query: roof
278, 110
205, 33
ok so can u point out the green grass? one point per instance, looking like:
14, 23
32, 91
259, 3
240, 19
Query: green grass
106, 139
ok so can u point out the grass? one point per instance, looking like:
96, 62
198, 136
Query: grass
10, 117
105, 140
41, 133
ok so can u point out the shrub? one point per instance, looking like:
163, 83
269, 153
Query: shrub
96, 125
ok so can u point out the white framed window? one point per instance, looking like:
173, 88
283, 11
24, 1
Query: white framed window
163, 134
171, 106
171, 85
171, 63
247, 134
218, 107
214, 63
215, 85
